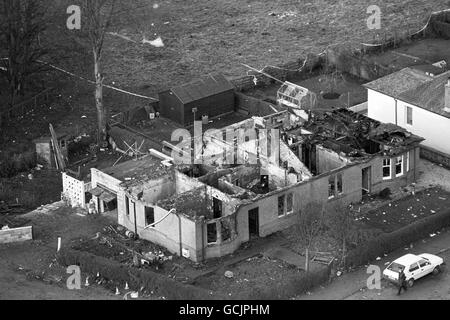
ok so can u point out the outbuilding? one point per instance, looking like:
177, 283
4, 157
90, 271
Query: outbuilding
206, 98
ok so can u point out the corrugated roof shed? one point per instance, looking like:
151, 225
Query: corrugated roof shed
429, 95
206, 87
398, 82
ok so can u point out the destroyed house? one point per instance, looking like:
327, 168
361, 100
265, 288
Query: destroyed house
208, 210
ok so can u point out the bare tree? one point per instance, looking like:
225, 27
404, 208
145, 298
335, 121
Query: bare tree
98, 15
340, 221
21, 24
309, 227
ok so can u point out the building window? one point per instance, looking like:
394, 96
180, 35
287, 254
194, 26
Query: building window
290, 203
339, 184
281, 206
386, 169
399, 166
409, 116
331, 187
149, 216
211, 230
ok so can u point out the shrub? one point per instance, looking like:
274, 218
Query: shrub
388, 242
385, 193
136, 278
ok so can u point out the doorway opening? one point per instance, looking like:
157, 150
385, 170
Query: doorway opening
253, 222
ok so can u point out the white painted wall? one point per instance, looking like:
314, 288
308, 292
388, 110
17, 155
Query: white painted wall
380, 107
431, 126
435, 129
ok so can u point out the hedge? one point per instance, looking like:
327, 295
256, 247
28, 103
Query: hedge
290, 288
388, 242
136, 278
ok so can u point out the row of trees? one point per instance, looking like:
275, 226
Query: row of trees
22, 23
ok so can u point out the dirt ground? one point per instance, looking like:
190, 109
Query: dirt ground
32, 193
250, 274
28, 270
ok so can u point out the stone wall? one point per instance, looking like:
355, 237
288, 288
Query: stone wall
16, 235
435, 156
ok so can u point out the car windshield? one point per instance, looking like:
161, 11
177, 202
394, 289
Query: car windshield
396, 267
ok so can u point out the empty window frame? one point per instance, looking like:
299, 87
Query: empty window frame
339, 184
289, 203
127, 206
331, 187
399, 166
409, 115
386, 169
149, 216
211, 230
281, 206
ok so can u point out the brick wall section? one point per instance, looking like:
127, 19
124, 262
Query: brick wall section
16, 235
435, 156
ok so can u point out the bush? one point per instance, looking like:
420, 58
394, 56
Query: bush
136, 278
290, 288
16, 163
385, 193
388, 242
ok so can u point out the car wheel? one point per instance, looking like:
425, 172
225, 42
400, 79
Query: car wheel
410, 282
436, 270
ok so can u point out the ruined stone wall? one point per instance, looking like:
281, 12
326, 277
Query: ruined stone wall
316, 190
74, 190
16, 235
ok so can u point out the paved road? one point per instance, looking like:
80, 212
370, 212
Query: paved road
353, 285
427, 288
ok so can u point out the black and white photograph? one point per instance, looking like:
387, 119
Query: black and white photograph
213, 157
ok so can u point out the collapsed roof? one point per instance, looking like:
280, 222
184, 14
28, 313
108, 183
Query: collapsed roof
355, 135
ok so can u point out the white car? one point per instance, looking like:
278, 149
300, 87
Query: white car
414, 267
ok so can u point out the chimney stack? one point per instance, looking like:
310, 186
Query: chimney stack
447, 96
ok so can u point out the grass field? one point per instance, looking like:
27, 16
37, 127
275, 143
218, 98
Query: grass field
203, 36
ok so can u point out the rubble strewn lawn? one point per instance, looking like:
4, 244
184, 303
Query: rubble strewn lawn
400, 213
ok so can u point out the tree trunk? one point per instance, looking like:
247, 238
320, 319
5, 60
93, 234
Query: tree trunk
101, 114
307, 260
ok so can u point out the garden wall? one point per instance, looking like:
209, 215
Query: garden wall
440, 24
16, 235
435, 156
